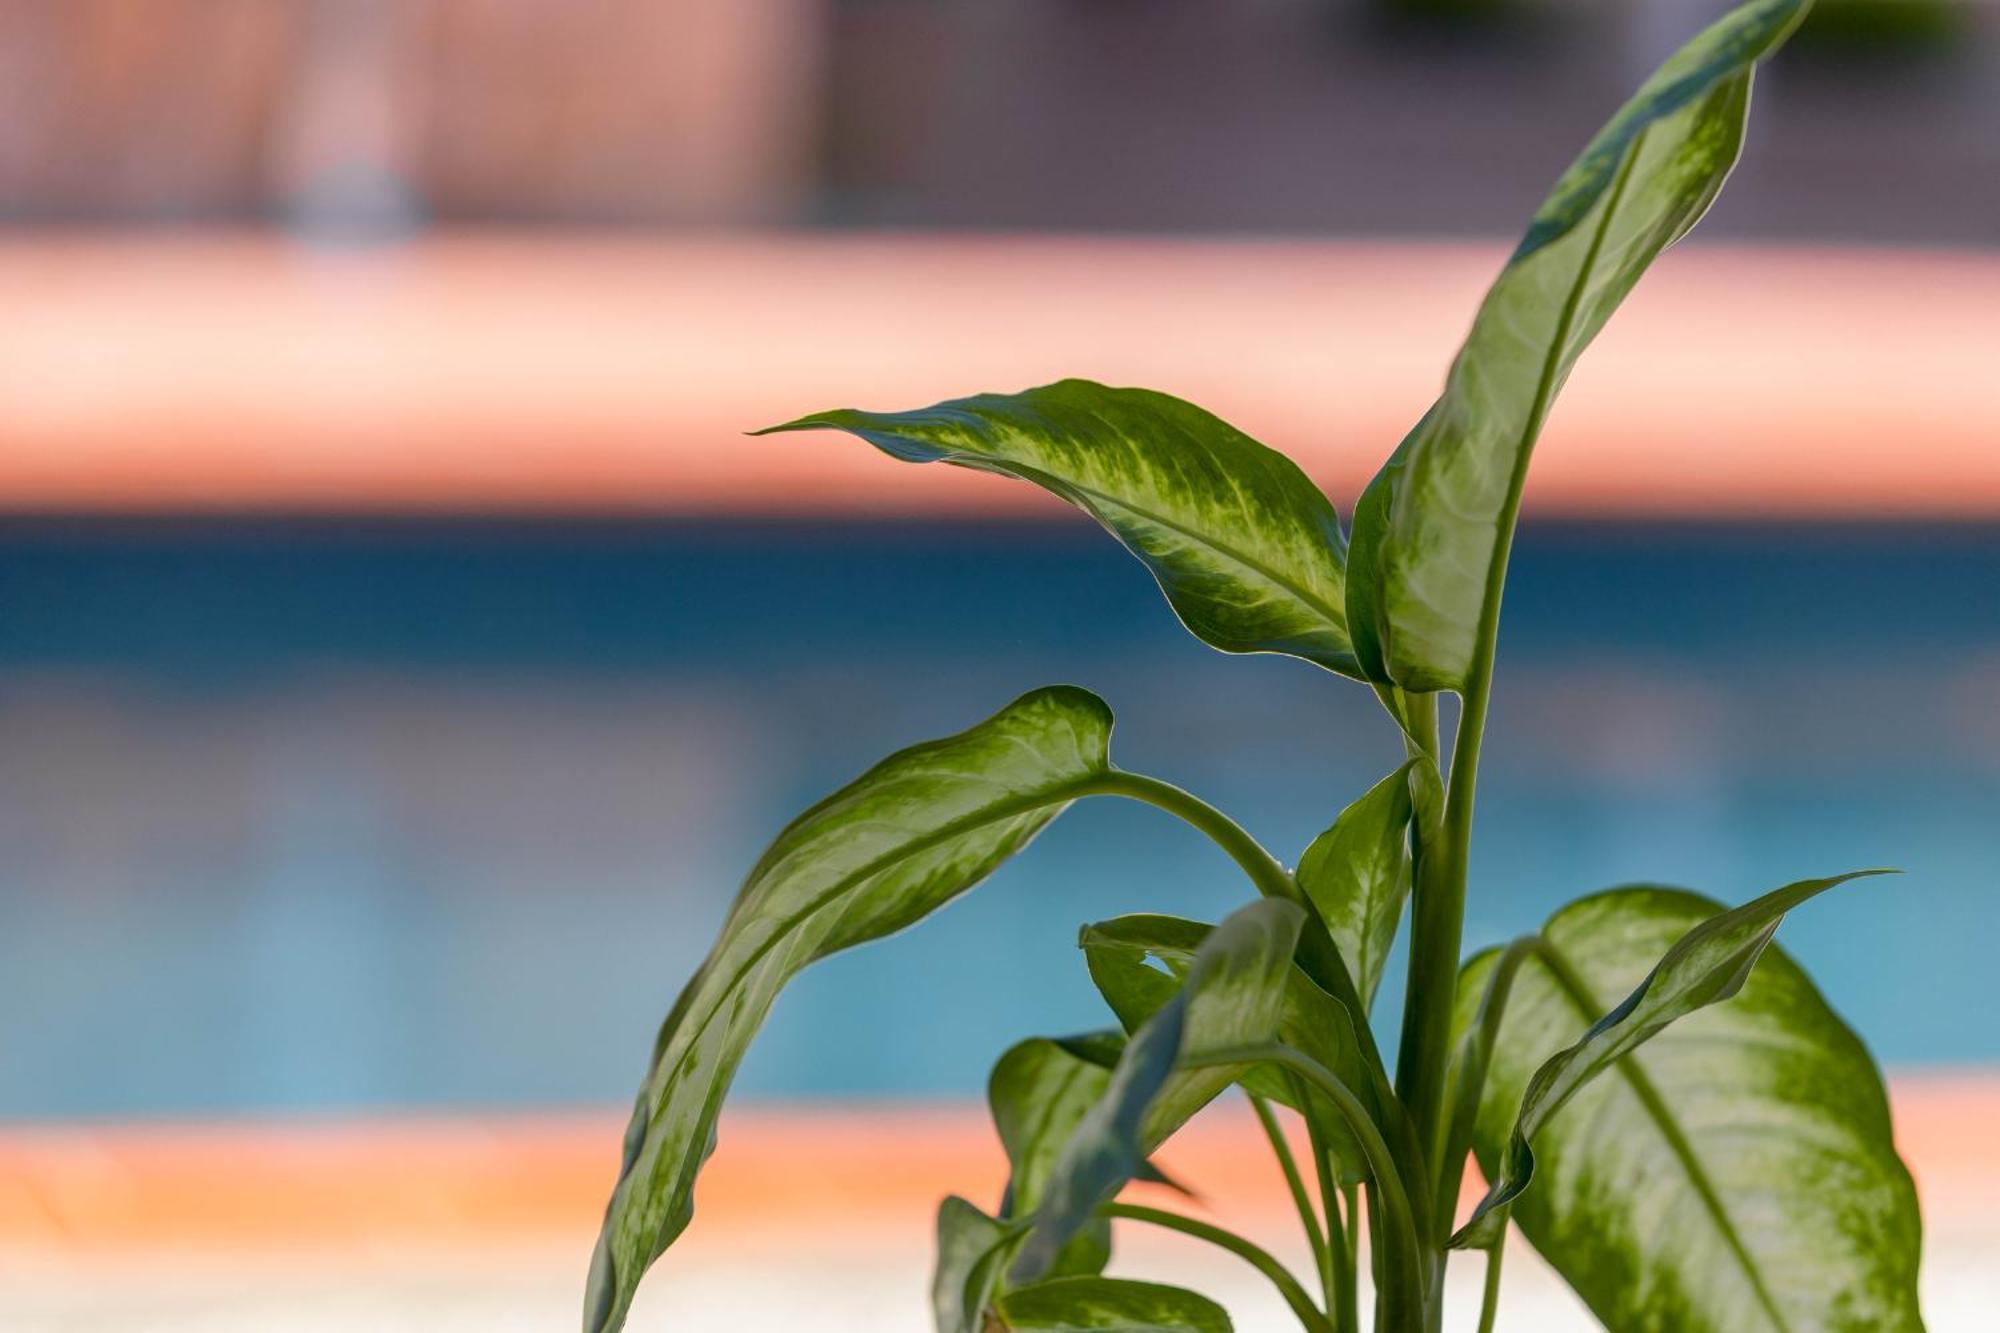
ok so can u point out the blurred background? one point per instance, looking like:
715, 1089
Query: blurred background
403, 653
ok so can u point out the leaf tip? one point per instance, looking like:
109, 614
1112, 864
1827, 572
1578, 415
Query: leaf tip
838, 418
1834, 881
812, 422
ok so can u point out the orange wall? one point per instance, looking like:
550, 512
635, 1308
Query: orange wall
484, 372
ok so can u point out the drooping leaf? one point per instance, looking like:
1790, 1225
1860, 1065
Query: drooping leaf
1735, 1174
1431, 531
1357, 876
1707, 965
971, 1251
1310, 1021
903, 839
1233, 996
1108, 1305
1247, 549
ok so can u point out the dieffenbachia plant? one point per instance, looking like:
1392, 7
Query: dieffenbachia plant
1686, 1164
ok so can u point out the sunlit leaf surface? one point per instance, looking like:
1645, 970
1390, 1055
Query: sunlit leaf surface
906, 837
1733, 1174
1357, 876
1247, 549
1431, 529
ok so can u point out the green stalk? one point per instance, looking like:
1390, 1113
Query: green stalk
1265, 871
1437, 930
1437, 917
1438, 913
1489, 1300
1348, 1316
1318, 954
1405, 1295
1467, 1079
1378, 1255
1329, 1198
1308, 1217
1288, 1286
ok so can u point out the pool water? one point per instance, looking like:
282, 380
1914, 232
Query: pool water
325, 815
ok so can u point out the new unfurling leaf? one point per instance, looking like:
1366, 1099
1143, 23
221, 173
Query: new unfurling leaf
1432, 530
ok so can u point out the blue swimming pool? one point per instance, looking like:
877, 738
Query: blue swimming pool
336, 814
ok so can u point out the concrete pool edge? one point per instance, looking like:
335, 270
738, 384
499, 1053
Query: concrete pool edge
418, 1189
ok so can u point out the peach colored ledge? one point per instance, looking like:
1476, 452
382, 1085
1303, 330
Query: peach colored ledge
496, 372
407, 1189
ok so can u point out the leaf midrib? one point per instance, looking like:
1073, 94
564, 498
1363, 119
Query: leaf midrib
1317, 604
1050, 1105
1571, 984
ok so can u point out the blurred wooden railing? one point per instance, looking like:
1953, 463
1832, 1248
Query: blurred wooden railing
373, 113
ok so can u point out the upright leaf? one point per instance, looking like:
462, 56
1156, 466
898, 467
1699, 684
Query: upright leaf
971, 1250
1310, 1021
1107, 1305
1248, 551
1233, 996
905, 838
1357, 876
1736, 1173
1431, 532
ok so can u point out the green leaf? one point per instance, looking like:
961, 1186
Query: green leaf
902, 840
1039, 1090
1247, 549
1707, 965
1431, 531
1233, 996
1108, 1305
1736, 1173
970, 1249
1310, 1021
1357, 876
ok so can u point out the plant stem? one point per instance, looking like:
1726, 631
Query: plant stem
1270, 877
1467, 1079
1308, 1218
1329, 1198
1416, 715
1288, 1286
1349, 1314
1318, 954
1406, 1296
1438, 915
1489, 1300
1321, 960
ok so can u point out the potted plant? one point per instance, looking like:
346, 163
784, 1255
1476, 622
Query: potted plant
1685, 1164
